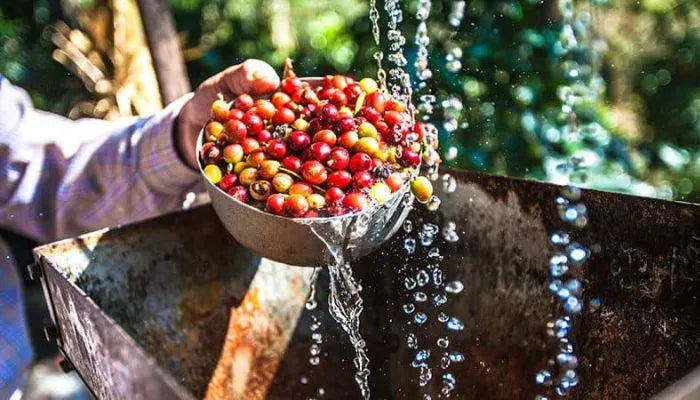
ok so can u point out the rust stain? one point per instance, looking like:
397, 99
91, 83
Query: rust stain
251, 353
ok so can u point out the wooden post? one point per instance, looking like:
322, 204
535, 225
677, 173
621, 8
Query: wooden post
159, 28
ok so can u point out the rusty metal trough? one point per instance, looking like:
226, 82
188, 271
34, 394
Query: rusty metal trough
173, 308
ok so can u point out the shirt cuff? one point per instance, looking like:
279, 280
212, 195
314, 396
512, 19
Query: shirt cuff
159, 162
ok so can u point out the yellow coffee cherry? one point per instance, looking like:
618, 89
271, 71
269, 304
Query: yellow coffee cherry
213, 173
369, 85
316, 201
380, 192
422, 188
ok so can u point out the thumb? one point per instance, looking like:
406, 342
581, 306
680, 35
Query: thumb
254, 77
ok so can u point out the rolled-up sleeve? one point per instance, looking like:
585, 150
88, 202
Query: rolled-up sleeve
59, 178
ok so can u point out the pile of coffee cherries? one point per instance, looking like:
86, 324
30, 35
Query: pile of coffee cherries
321, 151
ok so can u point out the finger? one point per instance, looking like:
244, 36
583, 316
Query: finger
254, 77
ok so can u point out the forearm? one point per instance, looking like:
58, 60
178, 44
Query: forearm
88, 174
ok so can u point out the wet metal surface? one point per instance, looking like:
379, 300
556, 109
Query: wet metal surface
178, 299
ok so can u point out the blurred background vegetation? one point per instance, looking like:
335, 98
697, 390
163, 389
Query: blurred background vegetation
505, 91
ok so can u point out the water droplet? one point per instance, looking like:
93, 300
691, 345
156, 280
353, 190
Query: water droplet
571, 193
317, 337
409, 283
435, 253
454, 287
439, 299
427, 234
594, 304
425, 376
567, 360
442, 317
321, 391
409, 245
437, 277
560, 239
572, 305
314, 360
449, 183
444, 362
456, 356
412, 341
443, 342
420, 318
421, 356
407, 226
574, 286
543, 377
420, 297
577, 253
448, 383
315, 349
557, 265
568, 380
454, 324
409, 308
422, 278
304, 380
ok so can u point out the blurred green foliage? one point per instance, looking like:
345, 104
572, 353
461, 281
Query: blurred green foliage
649, 141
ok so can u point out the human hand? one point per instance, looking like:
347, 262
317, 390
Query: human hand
254, 77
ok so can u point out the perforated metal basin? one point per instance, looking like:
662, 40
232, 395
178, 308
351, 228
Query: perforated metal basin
175, 308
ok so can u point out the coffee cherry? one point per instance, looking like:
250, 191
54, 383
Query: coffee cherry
209, 153
236, 130
360, 162
326, 136
395, 105
310, 98
264, 136
240, 166
256, 158
376, 100
248, 176
214, 128
283, 116
298, 141
346, 124
235, 113
213, 173
382, 127
315, 125
338, 159
334, 194
384, 152
319, 151
265, 109
394, 181
370, 114
296, 205
260, 190
292, 163
393, 117
249, 145
269, 169
228, 181
409, 158
366, 129
338, 98
219, 110
314, 172
275, 203
300, 125
239, 193
422, 188
316, 201
345, 112
243, 102
348, 139
282, 182
339, 179
233, 153
301, 188
280, 99
367, 145
362, 179
380, 192
369, 85
329, 114
339, 82
253, 122
352, 91
356, 201
276, 149
290, 85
